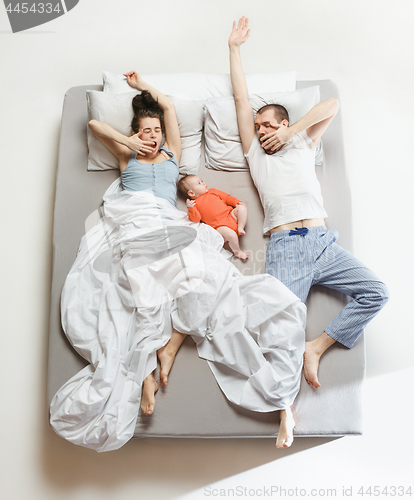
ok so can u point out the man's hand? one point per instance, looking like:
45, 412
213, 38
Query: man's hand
134, 80
190, 203
240, 34
276, 140
134, 143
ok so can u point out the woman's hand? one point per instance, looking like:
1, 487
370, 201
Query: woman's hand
277, 139
134, 80
190, 203
240, 34
134, 143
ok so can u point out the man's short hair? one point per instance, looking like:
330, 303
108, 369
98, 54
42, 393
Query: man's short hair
279, 111
182, 185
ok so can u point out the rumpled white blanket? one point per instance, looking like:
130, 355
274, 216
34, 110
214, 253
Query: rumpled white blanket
142, 270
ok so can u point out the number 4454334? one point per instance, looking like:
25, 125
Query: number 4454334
385, 491
36, 7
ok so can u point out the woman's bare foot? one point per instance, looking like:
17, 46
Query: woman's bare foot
285, 434
149, 388
166, 355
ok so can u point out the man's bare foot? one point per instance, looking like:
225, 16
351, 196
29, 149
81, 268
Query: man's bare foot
166, 355
285, 434
241, 231
149, 388
311, 364
241, 255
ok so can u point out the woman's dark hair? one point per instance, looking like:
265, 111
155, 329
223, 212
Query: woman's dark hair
144, 105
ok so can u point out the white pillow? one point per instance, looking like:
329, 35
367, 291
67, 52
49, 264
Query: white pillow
223, 149
202, 86
116, 111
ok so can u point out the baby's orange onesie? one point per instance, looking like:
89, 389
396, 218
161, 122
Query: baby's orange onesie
214, 209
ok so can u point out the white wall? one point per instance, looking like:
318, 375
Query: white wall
366, 48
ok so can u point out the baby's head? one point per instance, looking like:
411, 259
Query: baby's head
192, 186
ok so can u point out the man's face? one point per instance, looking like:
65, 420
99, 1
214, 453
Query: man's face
265, 123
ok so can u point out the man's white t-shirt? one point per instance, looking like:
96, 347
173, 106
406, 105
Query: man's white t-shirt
286, 181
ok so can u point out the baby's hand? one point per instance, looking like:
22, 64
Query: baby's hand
240, 203
190, 203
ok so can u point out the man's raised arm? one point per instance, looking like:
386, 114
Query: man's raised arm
245, 117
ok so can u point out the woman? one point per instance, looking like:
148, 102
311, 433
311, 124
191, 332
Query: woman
145, 164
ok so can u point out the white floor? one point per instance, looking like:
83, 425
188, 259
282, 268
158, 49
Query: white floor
339, 467
366, 48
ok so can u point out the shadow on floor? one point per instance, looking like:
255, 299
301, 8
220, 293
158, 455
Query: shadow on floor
189, 463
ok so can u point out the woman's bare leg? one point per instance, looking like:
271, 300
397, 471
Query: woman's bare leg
166, 354
149, 388
287, 424
240, 214
231, 236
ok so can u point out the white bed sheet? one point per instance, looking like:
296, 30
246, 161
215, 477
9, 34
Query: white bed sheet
142, 270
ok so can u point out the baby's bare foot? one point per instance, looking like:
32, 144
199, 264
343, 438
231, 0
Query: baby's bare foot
149, 388
241, 255
241, 231
285, 434
310, 365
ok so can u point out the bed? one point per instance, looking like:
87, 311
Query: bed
193, 405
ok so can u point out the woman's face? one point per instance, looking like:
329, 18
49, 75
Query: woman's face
150, 130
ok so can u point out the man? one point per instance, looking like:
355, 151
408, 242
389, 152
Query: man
301, 251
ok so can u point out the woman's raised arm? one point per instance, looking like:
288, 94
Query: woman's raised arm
172, 132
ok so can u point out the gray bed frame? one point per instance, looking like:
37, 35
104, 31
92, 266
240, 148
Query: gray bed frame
192, 405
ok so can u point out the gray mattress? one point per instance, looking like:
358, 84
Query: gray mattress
192, 405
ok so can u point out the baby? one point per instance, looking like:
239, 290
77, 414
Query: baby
223, 212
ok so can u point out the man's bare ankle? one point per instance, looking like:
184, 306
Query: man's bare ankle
319, 345
315, 347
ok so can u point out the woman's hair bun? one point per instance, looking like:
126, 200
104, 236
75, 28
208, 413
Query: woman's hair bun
144, 105
144, 101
